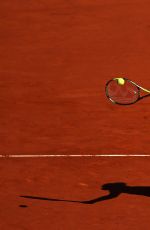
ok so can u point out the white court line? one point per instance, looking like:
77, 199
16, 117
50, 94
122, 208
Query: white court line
72, 155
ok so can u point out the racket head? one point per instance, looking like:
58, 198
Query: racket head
126, 94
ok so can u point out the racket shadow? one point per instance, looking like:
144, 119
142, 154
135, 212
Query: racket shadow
115, 189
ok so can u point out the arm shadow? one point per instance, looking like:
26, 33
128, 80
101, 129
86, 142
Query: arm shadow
115, 189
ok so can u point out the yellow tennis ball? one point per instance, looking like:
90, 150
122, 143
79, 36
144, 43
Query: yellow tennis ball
121, 81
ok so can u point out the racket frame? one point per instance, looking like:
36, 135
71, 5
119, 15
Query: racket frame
138, 87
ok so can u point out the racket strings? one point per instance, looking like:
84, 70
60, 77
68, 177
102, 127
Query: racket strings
122, 94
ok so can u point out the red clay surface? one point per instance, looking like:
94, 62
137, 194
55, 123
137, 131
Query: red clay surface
55, 59
72, 179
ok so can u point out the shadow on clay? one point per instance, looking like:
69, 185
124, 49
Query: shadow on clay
114, 189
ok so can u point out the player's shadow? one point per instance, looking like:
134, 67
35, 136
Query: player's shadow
115, 189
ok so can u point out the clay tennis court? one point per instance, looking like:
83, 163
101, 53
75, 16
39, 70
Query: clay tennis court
56, 57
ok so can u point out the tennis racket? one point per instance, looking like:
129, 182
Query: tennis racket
123, 91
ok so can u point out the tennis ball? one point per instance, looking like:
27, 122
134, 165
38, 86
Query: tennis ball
121, 81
